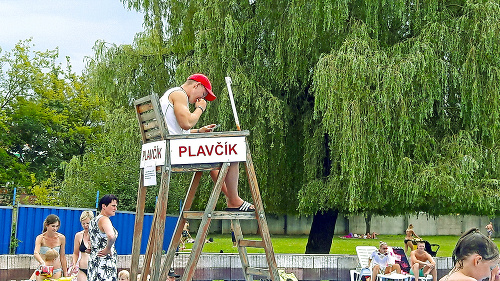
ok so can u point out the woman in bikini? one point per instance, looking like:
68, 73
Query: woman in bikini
409, 237
51, 239
476, 258
81, 247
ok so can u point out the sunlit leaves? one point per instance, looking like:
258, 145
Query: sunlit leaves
413, 126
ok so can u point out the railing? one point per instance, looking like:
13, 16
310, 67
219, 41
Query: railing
228, 266
30, 224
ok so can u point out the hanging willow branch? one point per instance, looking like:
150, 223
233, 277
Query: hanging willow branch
413, 126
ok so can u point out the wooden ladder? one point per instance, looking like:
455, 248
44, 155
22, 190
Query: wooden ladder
152, 128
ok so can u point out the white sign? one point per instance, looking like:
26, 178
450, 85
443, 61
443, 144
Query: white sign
208, 150
154, 151
150, 173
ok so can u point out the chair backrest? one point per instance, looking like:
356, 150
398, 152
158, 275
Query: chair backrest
402, 260
428, 249
364, 253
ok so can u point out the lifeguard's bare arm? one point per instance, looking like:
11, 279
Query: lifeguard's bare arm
185, 118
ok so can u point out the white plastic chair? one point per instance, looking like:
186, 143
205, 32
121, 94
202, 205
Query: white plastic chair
363, 253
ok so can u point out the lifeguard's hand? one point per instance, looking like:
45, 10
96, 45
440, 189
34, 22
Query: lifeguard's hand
202, 103
207, 128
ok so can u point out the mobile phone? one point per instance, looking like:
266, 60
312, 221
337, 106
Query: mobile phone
215, 127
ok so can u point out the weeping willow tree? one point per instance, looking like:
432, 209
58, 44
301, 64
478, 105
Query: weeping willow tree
410, 125
374, 107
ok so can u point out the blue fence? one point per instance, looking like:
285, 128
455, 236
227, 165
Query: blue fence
6, 224
30, 224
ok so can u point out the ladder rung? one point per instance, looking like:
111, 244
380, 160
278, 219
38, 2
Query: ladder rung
152, 134
144, 107
252, 243
258, 271
150, 125
149, 115
220, 215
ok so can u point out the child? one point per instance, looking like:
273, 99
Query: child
47, 271
123, 275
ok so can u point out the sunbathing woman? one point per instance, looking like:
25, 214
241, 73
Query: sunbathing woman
475, 257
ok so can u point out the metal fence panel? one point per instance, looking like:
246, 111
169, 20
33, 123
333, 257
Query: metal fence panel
30, 224
124, 223
6, 215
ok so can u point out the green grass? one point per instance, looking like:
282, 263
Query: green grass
296, 244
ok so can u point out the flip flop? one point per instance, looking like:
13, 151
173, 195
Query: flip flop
244, 207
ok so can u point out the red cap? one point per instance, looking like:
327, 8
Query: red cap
206, 83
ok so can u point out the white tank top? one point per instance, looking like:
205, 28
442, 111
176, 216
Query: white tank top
168, 112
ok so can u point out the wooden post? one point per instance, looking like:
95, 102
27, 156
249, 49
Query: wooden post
174, 243
139, 221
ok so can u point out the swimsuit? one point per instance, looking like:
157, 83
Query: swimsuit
84, 270
44, 249
420, 272
82, 248
57, 270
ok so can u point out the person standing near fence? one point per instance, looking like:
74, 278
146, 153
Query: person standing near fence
81, 248
489, 229
51, 239
103, 256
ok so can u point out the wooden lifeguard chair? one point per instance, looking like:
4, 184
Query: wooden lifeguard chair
153, 130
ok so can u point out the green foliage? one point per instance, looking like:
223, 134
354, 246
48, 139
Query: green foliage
47, 192
413, 123
12, 172
111, 167
47, 112
383, 107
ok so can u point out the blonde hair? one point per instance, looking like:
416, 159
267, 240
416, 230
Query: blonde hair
51, 255
86, 215
124, 274
382, 243
410, 226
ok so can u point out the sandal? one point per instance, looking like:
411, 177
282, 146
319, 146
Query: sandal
244, 207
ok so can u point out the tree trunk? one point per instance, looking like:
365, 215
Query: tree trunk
321, 234
368, 222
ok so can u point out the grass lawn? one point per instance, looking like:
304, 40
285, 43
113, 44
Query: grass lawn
296, 244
